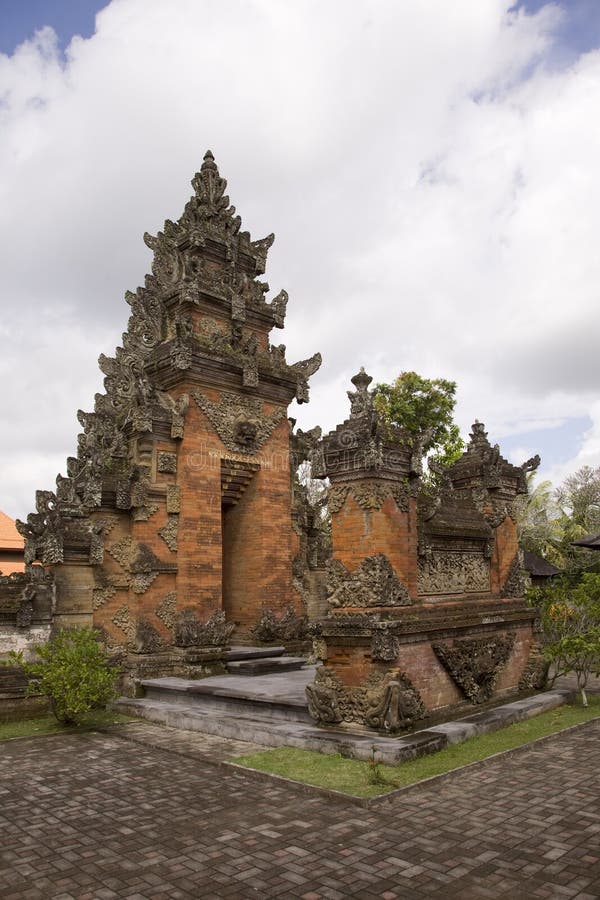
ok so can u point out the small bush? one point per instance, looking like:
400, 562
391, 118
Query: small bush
74, 672
570, 619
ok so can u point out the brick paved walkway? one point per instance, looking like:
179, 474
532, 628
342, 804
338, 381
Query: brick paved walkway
97, 816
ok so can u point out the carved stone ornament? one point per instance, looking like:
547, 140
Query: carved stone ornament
166, 462
102, 595
239, 420
535, 674
451, 572
166, 610
369, 493
173, 498
123, 620
385, 702
189, 631
138, 561
518, 580
336, 497
288, 627
373, 583
24, 615
475, 663
169, 532
384, 646
147, 638
43, 532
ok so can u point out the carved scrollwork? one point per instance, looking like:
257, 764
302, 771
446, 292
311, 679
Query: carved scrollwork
303, 370
189, 631
288, 627
475, 663
373, 583
385, 702
369, 493
451, 572
239, 420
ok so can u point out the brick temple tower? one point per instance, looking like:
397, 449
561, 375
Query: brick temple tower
173, 524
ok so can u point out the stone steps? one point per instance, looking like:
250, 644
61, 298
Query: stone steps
242, 652
266, 666
261, 661
270, 729
273, 697
263, 731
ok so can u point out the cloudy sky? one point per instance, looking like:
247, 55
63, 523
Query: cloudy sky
430, 170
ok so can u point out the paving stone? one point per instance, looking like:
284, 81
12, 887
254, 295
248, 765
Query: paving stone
150, 817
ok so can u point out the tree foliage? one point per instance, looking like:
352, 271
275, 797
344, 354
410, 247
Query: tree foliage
423, 407
539, 521
549, 520
73, 671
570, 619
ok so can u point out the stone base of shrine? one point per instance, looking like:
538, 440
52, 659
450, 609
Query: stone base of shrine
173, 662
387, 668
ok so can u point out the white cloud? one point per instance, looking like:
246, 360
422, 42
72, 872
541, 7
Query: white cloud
433, 187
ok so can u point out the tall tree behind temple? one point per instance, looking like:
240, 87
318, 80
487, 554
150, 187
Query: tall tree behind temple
424, 407
550, 520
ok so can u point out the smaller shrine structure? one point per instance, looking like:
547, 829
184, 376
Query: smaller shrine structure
425, 587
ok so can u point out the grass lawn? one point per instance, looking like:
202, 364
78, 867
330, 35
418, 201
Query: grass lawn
48, 725
362, 779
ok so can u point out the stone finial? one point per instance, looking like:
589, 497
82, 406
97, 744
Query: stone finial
208, 162
478, 433
360, 400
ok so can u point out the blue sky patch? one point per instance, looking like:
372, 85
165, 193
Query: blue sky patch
19, 19
554, 445
579, 30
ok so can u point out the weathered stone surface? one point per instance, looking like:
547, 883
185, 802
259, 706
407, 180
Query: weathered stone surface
385, 701
373, 583
189, 631
273, 629
454, 573
475, 663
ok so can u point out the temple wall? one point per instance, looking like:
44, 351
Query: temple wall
358, 532
22, 639
74, 587
506, 548
258, 542
199, 556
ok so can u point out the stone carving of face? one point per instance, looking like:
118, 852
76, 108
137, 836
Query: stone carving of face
246, 435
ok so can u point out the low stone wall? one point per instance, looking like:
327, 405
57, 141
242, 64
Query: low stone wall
26, 609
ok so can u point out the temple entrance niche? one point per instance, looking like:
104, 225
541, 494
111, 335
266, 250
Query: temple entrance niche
240, 517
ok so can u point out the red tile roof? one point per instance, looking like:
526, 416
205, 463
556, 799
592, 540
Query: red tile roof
10, 539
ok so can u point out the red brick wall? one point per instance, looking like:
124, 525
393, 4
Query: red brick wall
506, 546
418, 661
258, 542
358, 533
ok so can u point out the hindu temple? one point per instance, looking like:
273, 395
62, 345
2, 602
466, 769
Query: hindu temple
179, 527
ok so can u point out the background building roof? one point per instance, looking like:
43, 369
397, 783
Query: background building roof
10, 539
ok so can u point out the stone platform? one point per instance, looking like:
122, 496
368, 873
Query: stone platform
272, 710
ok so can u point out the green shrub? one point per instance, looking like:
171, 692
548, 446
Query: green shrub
570, 618
74, 672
